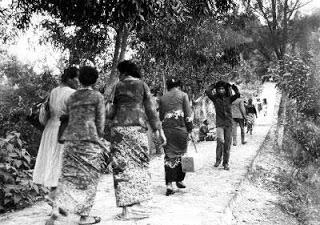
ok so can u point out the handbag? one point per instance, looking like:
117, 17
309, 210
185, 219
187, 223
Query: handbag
110, 107
191, 162
44, 112
33, 117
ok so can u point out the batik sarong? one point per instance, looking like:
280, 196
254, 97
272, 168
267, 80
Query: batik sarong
80, 176
130, 164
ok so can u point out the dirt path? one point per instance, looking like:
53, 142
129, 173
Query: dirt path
259, 200
210, 195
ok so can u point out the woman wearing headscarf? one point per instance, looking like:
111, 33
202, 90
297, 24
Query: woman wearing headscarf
82, 160
176, 117
129, 144
49, 159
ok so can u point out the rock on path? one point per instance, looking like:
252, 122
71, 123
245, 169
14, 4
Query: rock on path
207, 199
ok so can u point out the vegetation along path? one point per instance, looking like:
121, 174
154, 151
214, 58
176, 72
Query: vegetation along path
210, 196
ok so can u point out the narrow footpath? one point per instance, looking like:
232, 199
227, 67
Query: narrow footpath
208, 199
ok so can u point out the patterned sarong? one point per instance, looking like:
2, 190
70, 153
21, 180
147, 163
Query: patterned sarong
130, 164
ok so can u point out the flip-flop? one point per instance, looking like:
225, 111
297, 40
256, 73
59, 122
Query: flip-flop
97, 219
120, 217
142, 210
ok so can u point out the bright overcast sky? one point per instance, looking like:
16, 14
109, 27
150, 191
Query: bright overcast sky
313, 5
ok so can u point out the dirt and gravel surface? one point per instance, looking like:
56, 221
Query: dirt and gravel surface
260, 201
213, 195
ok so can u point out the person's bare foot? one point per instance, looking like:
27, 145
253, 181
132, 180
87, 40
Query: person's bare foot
52, 219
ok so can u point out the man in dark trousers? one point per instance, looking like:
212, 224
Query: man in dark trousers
222, 101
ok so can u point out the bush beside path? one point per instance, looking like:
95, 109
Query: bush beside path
208, 199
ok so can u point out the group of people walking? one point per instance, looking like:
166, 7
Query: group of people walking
70, 163
231, 111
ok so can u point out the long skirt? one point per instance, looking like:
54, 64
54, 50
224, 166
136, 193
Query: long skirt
47, 169
250, 119
177, 143
173, 170
130, 164
80, 175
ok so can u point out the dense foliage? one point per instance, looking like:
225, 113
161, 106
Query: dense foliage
298, 80
23, 90
16, 187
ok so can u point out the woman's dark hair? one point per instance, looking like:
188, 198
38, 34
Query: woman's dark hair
173, 82
250, 101
88, 75
129, 68
69, 73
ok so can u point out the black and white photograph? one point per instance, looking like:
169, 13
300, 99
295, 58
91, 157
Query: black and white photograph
160, 112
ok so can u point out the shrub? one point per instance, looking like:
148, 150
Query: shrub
24, 88
16, 187
298, 79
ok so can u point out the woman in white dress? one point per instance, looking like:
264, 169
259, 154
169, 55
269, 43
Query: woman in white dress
49, 159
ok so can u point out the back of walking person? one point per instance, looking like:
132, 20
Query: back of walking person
265, 106
239, 116
49, 159
222, 101
129, 142
251, 116
176, 117
82, 158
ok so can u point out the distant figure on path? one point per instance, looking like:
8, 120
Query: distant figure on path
129, 141
176, 116
203, 131
82, 159
251, 116
259, 105
222, 101
239, 116
264, 106
47, 169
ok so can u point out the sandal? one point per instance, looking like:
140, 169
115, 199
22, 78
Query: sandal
51, 203
121, 217
96, 219
169, 192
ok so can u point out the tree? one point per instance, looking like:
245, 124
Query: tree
277, 15
123, 16
200, 49
304, 33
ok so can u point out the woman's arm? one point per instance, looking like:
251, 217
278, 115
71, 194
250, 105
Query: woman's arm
187, 113
150, 110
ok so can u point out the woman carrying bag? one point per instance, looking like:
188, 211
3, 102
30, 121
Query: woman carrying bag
176, 117
49, 159
82, 159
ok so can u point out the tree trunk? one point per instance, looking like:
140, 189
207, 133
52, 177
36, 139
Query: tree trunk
119, 53
285, 29
124, 42
112, 78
